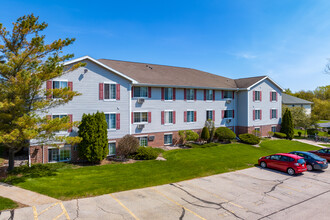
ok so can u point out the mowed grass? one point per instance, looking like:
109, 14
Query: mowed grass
7, 204
71, 182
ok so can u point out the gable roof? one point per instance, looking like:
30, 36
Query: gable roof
154, 74
248, 82
288, 99
162, 75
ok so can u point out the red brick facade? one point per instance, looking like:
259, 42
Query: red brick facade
36, 152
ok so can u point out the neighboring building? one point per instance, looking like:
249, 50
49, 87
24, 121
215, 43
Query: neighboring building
292, 101
153, 102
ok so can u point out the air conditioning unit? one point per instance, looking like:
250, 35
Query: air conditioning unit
228, 121
151, 138
140, 100
140, 126
228, 101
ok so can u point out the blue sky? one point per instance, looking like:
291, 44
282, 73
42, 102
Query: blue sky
289, 40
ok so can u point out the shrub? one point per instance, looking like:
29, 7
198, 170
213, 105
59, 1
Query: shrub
249, 139
127, 145
224, 134
94, 134
287, 124
312, 131
205, 134
279, 135
299, 133
270, 134
146, 153
210, 126
182, 135
191, 135
212, 134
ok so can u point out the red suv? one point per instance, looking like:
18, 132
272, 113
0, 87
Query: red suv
289, 163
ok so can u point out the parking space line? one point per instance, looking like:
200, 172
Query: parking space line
178, 204
219, 197
127, 209
65, 212
35, 213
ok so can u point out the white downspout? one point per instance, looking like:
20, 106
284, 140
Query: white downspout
130, 108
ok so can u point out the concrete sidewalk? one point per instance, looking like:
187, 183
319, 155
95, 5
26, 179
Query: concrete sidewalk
315, 143
24, 196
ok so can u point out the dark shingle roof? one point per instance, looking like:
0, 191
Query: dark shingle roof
288, 99
154, 74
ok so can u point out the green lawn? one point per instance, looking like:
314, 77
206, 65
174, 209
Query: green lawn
67, 181
7, 204
326, 145
323, 121
321, 133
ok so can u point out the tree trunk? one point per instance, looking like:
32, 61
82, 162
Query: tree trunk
11, 159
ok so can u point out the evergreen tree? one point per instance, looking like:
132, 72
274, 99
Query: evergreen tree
93, 132
26, 63
287, 124
205, 135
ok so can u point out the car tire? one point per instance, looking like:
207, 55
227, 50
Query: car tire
309, 167
263, 164
291, 171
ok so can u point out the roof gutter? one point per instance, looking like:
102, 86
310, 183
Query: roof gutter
184, 87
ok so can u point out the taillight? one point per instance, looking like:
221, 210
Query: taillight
320, 162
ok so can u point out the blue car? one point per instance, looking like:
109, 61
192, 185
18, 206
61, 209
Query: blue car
313, 162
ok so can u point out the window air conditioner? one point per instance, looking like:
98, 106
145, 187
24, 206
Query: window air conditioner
140, 100
228, 121
140, 126
228, 101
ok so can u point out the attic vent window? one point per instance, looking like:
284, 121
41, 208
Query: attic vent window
148, 66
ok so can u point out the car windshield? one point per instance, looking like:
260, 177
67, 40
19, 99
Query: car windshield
301, 161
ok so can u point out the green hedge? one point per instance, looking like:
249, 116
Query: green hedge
249, 139
279, 135
146, 153
224, 134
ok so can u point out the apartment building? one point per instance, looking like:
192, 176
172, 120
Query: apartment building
153, 102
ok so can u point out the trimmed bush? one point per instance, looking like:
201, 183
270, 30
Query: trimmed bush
205, 134
191, 135
279, 135
287, 124
312, 131
249, 139
94, 134
146, 153
127, 145
224, 134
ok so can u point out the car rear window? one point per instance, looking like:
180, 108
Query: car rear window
301, 161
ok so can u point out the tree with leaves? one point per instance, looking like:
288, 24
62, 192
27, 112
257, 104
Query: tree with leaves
287, 124
27, 62
94, 134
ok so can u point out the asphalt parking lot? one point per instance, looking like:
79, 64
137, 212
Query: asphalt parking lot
252, 193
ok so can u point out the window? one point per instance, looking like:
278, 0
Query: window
61, 154
112, 148
109, 91
229, 114
273, 113
168, 117
140, 92
273, 96
209, 115
257, 114
111, 120
209, 94
257, 96
168, 139
140, 117
168, 93
190, 116
275, 157
273, 128
60, 116
143, 141
59, 85
190, 94
227, 94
